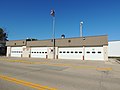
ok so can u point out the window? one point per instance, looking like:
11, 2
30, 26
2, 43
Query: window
45, 52
37, 52
42, 52
93, 52
69, 41
99, 52
63, 51
76, 52
71, 51
67, 51
60, 52
87, 52
80, 52
34, 52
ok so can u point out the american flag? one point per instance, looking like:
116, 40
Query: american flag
52, 13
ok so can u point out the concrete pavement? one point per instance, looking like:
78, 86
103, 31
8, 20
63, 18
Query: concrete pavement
60, 74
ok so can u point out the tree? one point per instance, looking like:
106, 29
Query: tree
3, 35
3, 39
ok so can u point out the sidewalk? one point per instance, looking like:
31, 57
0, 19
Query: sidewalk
60, 61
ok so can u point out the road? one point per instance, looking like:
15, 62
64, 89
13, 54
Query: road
41, 74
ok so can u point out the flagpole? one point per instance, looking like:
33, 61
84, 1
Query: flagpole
53, 37
53, 17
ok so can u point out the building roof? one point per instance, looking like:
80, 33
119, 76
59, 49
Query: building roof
79, 41
16, 43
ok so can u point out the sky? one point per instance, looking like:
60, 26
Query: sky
23, 19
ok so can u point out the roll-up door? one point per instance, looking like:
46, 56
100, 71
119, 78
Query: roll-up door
70, 53
94, 53
16, 51
39, 52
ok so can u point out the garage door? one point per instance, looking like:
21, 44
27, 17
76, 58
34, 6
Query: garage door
94, 53
16, 51
38, 52
70, 53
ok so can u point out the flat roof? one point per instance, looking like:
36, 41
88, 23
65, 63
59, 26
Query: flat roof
63, 42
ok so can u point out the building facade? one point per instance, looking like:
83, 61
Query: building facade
113, 49
82, 48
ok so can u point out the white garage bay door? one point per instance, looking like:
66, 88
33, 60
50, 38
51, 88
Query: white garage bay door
94, 53
16, 51
39, 52
89, 53
70, 53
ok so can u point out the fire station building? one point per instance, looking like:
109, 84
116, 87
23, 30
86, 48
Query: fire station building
81, 48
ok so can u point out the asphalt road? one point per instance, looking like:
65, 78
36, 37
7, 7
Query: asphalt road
41, 74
